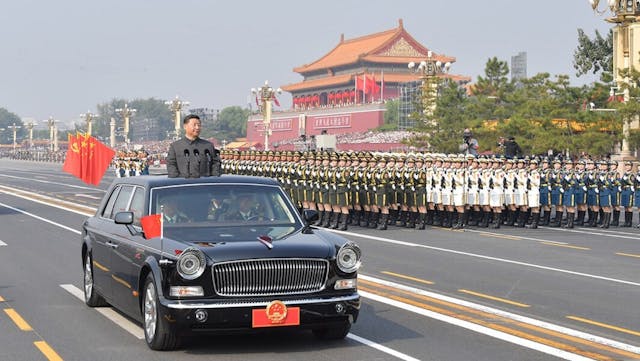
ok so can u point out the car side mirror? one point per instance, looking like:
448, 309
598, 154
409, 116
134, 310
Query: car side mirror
310, 215
124, 218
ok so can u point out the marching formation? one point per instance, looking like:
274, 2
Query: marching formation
131, 163
420, 189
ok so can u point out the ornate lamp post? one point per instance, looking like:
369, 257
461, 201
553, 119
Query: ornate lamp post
15, 128
126, 113
51, 123
626, 17
430, 70
30, 128
112, 132
266, 95
176, 106
88, 117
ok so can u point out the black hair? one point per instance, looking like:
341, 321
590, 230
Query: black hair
189, 117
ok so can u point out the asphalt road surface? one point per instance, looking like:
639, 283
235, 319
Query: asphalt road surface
436, 294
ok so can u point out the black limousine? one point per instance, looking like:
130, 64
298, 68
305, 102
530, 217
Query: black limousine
233, 254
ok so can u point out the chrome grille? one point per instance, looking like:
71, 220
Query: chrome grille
269, 277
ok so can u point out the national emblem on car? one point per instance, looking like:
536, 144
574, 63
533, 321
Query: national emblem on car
276, 311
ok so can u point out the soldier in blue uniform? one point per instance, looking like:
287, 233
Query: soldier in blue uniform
626, 195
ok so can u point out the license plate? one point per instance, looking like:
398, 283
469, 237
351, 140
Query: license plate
276, 314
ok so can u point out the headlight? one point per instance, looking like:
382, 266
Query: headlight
191, 263
348, 258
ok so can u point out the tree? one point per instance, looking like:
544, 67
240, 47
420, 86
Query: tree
231, 124
7, 119
594, 55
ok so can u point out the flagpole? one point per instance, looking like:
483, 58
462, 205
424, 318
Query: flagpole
381, 85
364, 88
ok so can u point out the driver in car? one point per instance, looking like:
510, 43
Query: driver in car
247, 210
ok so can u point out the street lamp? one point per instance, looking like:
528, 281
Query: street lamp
88, 117
126, 113
15, 128
626, 19
30, 128
430, 70
266, 95
51, 123
176, 106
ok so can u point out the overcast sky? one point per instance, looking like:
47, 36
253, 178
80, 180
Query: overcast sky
61, 58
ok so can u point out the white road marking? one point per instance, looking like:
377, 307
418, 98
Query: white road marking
2, 244
41, 218
137, 331
525, 264
477, 328
87, 196
109, 313
379, 347
50, 182
494, 311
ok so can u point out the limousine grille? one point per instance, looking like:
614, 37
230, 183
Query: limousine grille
270, 277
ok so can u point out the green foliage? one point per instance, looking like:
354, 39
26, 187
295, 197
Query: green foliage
7, 120
231, 124
543, 113
594, 55
392, 114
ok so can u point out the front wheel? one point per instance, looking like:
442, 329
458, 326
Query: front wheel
156, 330
337, 332
91, 297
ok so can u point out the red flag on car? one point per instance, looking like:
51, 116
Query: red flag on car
152, 226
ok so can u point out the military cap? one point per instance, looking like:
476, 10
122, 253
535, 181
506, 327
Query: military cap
557, 160
628, 162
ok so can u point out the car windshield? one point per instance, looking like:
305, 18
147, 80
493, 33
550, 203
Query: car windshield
205, 212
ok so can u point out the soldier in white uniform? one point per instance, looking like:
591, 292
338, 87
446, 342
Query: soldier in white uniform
533, 193
459, 191
496, 185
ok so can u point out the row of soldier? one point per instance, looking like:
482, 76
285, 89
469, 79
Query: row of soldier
416, 190
130, 163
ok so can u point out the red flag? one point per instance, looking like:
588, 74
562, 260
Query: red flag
151, 226
372, 86
275, 100
101, 157
72, 160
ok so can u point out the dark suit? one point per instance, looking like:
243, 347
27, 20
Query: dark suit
239, 216
193, 159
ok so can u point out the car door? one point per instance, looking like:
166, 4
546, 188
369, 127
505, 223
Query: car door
101, 249
127, 257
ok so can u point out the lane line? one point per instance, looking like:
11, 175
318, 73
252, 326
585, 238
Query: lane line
17, 319
604, 325
480, 256
1, 299
56, 183
477, 328
87, 196
566, 246
501, 313
499, 323
503, 236
41, 218
137, 331
53, 202
109, 313
47, 351
629, 255
379, 347
408, 277
482, 295
2, 244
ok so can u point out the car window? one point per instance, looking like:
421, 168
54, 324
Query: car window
108, 209
122, 201
137, 205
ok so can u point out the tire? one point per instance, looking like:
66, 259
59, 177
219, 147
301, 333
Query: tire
91, 296
157, 333
337, 332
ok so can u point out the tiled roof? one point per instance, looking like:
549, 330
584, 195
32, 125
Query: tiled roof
391, 46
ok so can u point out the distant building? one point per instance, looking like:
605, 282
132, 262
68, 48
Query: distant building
345, 90
519, 66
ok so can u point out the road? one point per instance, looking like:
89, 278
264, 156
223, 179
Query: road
437, 294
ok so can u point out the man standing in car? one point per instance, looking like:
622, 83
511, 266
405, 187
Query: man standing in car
192, 156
